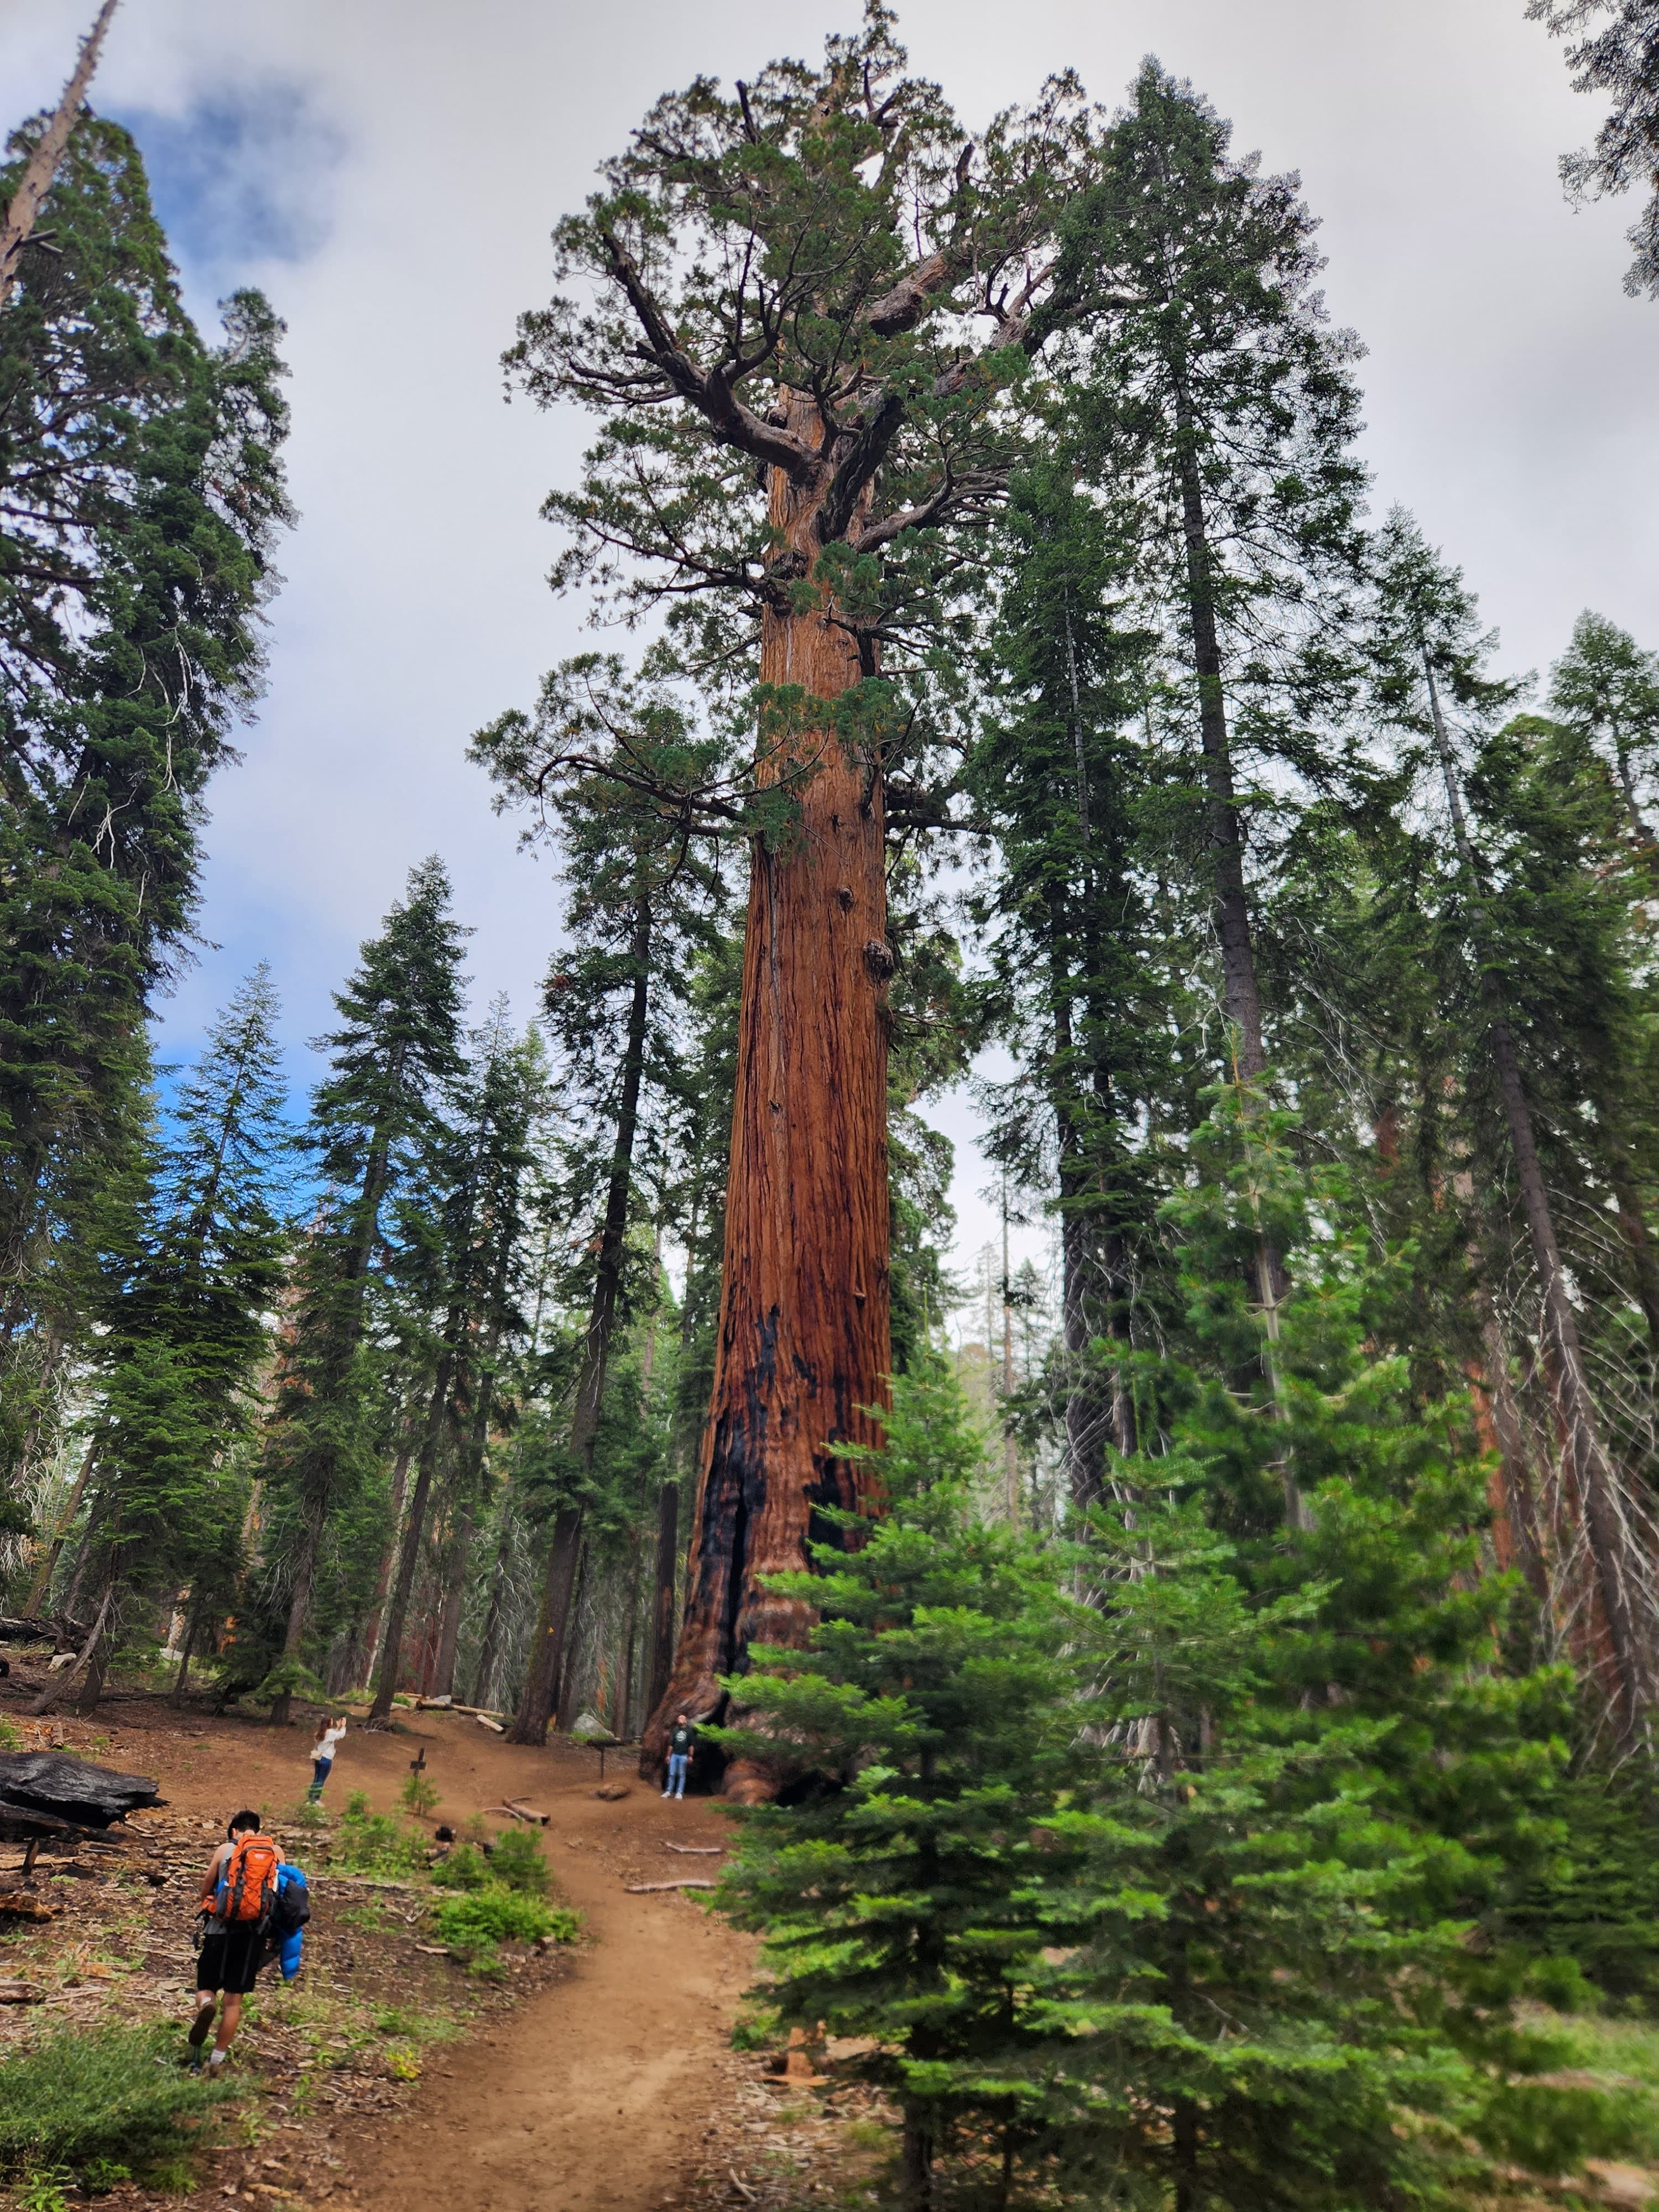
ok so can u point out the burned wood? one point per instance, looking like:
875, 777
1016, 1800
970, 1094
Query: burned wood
46, 1792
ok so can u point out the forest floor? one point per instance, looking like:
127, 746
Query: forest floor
593, 2077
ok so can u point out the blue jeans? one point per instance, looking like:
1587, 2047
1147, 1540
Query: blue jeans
677, 1762
320, 1773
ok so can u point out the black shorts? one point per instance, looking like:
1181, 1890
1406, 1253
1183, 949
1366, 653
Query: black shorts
230, 1959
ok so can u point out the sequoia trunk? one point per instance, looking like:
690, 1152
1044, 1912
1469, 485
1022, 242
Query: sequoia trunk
802, 1347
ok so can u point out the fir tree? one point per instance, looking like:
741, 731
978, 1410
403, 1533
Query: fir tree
1428, 654
618, 768
375, 1133
1607, 687
1080, 983
1620, 57
486, 1151
140, 495
189, 1329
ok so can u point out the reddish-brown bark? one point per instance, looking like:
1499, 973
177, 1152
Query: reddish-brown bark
803, 1342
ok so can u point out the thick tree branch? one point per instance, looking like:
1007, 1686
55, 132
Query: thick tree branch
863, 458
711, 391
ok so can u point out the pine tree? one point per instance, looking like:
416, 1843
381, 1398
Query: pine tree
1195, 1895
487, 1153
1222, 411
1607, 687
617, 769
375, 1133
1081, 984
1622, 57
188, 1328
1428, 653
140, 497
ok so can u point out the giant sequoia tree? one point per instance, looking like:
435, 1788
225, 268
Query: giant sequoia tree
803, 311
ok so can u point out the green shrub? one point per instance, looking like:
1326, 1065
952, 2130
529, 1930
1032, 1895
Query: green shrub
475, 1923
375, 1843
517, 1861
418, 1795
465, 1868
10, 1738
88, 2097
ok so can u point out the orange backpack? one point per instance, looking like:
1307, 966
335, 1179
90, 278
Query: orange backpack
248, 1885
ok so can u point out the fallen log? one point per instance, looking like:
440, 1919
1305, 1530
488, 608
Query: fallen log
41, 1628
520, 1811
51, 1787
648, 1888
695, 1851
485, 1721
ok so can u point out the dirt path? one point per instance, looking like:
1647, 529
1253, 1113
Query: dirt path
591, 2095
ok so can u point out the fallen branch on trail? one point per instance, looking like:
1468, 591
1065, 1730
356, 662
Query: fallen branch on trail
646, 1888
695, 1851
520, 1811
485, 1721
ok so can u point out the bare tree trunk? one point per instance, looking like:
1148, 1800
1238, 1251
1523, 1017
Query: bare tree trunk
36, 182
1592, 1472
191, 1624
409, 1558
58, 1686
1241, 995
377, 1611
454, 1597
541, 1694
802, 1346
492, 1627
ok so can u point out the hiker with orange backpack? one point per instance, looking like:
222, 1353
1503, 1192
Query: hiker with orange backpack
238, 1895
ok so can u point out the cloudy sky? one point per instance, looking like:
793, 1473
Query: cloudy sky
389, 170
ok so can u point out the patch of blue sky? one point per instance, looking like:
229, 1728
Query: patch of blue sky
243, 177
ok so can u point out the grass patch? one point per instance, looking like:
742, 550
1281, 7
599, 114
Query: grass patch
91, 2099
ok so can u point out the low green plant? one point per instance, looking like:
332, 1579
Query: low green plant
418, 1796
486, 1916
290, 1678
306, 1814
86, 2095
465, 1868
375, 1843
475, 1923
43, 2189
10, 1738
99, 2174
517, 1861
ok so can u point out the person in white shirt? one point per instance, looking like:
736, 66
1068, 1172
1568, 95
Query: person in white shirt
322, 1756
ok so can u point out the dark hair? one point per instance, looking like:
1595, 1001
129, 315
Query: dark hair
244, 1819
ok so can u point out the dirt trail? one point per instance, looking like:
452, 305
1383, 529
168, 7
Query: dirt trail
589, 2095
